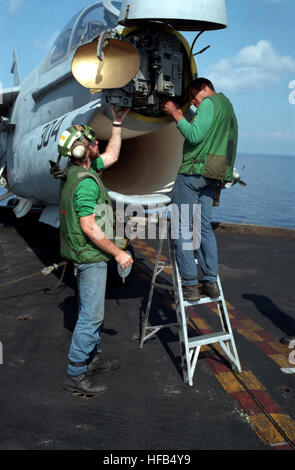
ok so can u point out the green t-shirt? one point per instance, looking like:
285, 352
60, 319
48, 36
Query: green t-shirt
197, 130
87, 192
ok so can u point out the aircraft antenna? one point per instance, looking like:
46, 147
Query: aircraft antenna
15, 69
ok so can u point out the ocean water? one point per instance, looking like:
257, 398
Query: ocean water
269, 197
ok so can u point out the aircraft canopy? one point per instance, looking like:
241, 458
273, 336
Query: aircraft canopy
83, 28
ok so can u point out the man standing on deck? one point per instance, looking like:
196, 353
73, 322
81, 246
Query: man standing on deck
209, 153
84, 210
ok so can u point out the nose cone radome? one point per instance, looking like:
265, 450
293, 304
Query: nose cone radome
184, 15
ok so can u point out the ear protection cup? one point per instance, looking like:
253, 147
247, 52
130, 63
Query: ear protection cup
81, 145
79, 149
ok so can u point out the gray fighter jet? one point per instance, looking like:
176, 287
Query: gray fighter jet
126, 53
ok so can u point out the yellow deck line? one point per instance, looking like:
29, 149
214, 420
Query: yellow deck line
263, 427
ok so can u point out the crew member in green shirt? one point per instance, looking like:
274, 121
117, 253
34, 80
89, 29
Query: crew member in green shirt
209, 152
86, 223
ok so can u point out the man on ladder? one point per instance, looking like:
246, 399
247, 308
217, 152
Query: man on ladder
209, 153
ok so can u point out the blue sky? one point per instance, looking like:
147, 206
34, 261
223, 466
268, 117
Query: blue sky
252, 61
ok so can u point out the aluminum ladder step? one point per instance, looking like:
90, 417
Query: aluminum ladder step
210, 338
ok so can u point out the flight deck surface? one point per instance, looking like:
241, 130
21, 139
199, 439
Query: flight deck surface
147, 405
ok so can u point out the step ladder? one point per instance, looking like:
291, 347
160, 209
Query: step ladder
189, 346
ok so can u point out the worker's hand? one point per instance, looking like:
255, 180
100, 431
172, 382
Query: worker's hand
124, 259
169, 107
173, 110
119, 114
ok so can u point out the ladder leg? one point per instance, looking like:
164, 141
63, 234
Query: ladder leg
147, 312
194, 357
229, 346
181, 317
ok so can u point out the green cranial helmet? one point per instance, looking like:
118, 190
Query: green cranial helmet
68, 144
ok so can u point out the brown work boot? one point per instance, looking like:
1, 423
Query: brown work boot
83, 385
191, 293
210, 289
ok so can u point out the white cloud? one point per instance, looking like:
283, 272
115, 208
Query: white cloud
254, 66
274, 1
14, 5
278, 135
274, 136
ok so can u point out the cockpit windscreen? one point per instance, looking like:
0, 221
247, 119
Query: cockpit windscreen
85, 26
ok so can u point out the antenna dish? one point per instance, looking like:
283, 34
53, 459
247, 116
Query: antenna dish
121, 63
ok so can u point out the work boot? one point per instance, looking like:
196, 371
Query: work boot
100, 364
210, 289
191, 293
84, 385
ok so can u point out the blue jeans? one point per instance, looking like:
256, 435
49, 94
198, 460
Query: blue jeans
192, 190
91, 280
